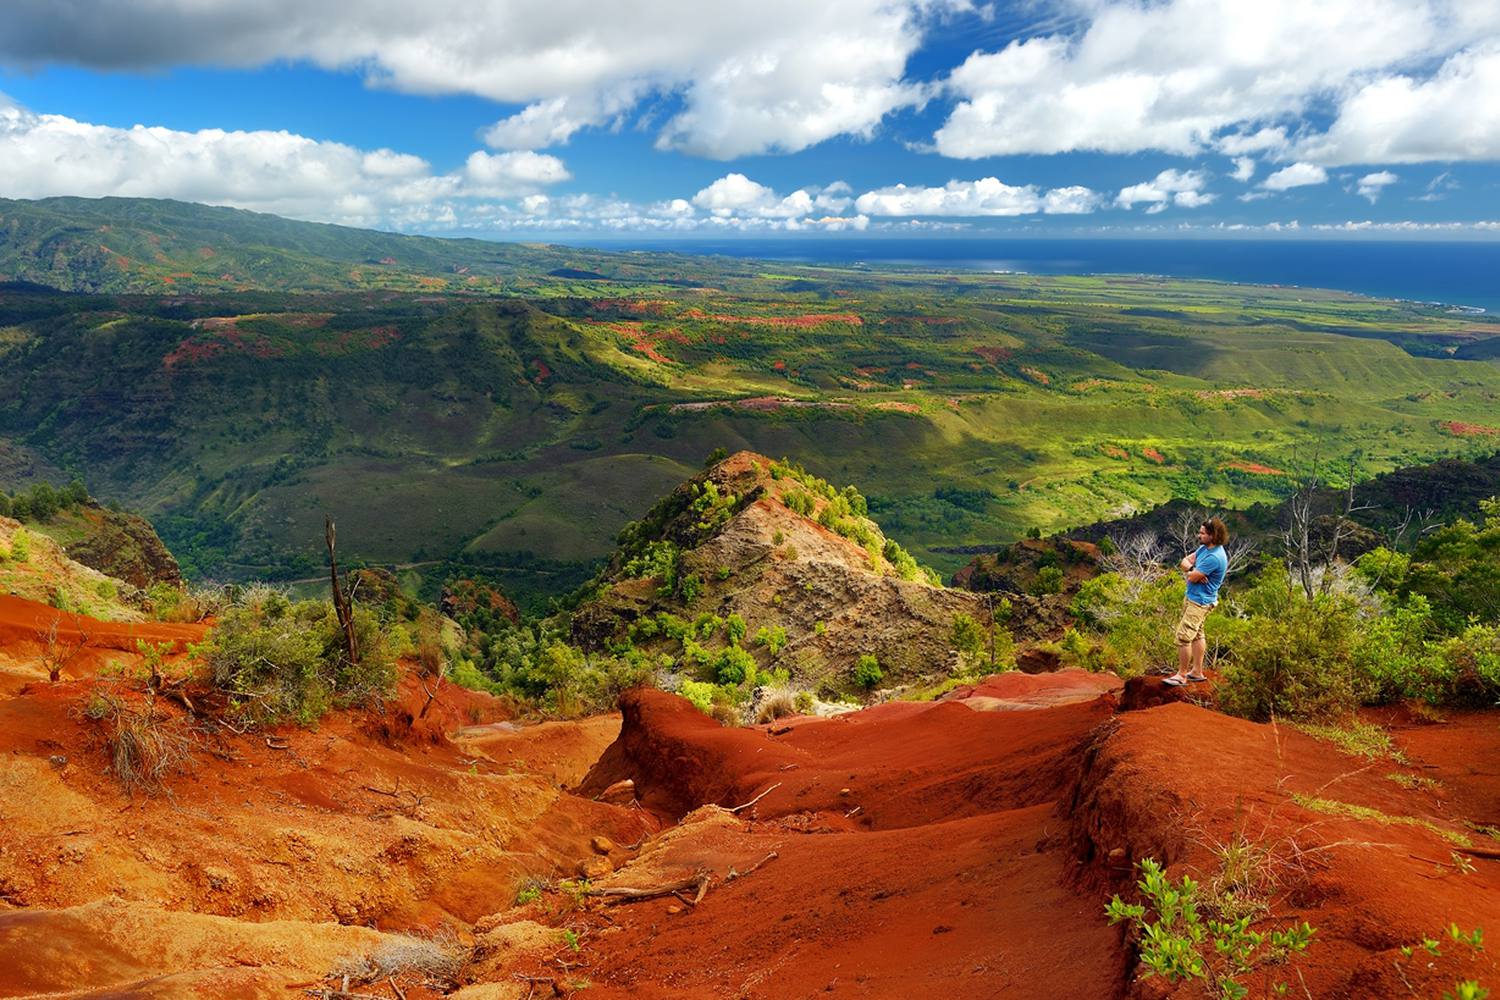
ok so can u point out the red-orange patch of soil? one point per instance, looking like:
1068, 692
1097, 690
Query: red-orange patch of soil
1036, 375
916, 854
1460, 429
1254, 467
1152, 455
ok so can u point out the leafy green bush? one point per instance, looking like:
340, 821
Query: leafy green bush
1457, 568
279, 660
733, 665
1134, 620
773, 638
20, 546
700, 693
734, 629
867, 672
1298, 660
1179, 943
1049, 580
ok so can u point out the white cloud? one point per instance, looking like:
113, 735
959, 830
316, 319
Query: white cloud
1244, 169
1454, 115
278, 172
1180, 187
986, 196
1372, 185
742, 78
1296, 175
735, 195
1407, 226
1182, 76
1075, 200
504, 174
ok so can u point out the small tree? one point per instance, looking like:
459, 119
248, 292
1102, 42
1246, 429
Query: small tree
867, 672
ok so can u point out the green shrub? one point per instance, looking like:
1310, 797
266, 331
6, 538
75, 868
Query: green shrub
699, 693
20, 546
466, 674
1392, 657
1298, 660
1179, 942
867, 672
734, 629
773, 638
733, 665
282, 660
1049, 580
1134, 620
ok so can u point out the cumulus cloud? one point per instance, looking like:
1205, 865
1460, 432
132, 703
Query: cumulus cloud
1454, 115
1075, 200
278, 172
988, 196
1244, 169
742, 78
1182, 76
1296, 175
1183, 188
737, 195
1372, 185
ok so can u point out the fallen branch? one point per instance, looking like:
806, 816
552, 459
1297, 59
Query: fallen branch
277, 743
400, 993
630, 894
381, 791
1488, 853
762, 795
751, 870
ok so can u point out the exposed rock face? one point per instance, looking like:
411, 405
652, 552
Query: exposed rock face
757, 557
125, 547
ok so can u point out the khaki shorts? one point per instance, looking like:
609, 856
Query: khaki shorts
1191, 625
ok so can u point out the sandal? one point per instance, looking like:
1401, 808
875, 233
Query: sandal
1197, 680
1174, 681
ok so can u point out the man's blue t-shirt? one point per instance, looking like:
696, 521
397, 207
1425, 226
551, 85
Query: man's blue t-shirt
1213, 564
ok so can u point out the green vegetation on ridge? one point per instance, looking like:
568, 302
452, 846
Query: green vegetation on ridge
513, 406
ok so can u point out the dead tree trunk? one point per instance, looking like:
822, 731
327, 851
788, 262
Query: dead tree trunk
341, 604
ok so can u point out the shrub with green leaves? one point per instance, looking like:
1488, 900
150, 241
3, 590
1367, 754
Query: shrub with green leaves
1298, 660
1179, 943
867, 672
278, 659
732, 665
773, 638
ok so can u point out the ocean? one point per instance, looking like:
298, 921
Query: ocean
1453, 273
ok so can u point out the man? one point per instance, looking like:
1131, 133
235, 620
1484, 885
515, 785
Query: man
1205, 571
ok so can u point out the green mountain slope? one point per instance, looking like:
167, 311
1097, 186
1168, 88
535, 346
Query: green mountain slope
523, 420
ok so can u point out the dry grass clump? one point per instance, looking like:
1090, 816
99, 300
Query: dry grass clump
775, 705
144, 745
438, 959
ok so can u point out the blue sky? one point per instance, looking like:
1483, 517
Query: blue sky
668, 117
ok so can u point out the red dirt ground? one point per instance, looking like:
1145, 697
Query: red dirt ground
907, 850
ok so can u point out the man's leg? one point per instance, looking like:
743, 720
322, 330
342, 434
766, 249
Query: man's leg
1184, 658
1199, 651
